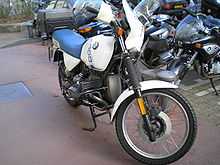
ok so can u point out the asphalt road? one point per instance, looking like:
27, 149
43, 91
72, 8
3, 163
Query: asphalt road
39, 128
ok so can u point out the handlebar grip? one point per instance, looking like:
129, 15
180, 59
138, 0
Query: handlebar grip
92, 10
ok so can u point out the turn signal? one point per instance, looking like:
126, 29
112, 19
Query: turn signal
198, 45
120, 31
85, 30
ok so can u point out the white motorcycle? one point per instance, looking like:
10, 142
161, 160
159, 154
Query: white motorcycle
94, 73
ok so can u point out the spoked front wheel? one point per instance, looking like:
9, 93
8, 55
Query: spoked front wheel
174, 125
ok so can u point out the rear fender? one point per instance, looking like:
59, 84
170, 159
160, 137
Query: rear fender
145, 85
58, 56
58, 53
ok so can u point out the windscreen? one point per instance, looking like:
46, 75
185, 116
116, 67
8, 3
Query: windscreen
189, 29
81, 15
147, 7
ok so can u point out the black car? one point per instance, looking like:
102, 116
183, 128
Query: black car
211, 7
57, 13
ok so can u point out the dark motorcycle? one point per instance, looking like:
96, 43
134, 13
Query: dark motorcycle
198, 43
158, 50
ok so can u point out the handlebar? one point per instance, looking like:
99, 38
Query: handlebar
92, 10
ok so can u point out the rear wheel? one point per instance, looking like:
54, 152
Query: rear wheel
64, 79
175, 127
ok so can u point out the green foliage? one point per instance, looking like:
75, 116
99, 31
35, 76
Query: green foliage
16, 8
4, 12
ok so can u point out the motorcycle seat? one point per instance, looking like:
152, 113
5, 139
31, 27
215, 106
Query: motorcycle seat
69, 41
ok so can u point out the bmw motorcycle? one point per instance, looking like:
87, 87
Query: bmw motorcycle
158, 49
197, 42
95, 74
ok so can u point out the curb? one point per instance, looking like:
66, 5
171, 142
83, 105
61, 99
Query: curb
14, 27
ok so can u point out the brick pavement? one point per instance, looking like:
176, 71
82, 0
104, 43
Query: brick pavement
44, 130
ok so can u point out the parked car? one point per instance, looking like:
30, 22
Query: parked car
174, 7
58, 13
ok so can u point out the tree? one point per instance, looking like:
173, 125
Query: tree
4, 8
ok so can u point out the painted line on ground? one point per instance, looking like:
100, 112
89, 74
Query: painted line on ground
198, 82
207, 91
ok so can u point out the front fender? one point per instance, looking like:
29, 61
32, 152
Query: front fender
145, 85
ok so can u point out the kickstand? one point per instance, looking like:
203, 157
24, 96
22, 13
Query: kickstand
94, 115
213, 86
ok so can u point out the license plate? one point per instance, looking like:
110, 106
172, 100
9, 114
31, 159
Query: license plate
178, 6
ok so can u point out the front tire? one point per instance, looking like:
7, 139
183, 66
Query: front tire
144, 151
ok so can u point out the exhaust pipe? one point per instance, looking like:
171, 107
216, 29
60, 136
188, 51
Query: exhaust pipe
97, 101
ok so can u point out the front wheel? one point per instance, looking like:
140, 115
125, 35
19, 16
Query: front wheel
174, 125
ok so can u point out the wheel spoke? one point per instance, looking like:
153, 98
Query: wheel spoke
177, 122
165, 148
152, 102
172, 142
173, 109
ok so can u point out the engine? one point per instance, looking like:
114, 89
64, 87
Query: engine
213, 67
211, 60
95, 89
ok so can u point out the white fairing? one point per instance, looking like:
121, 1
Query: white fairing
135, 38
97, 52
105, 13
145, 85
70, 61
